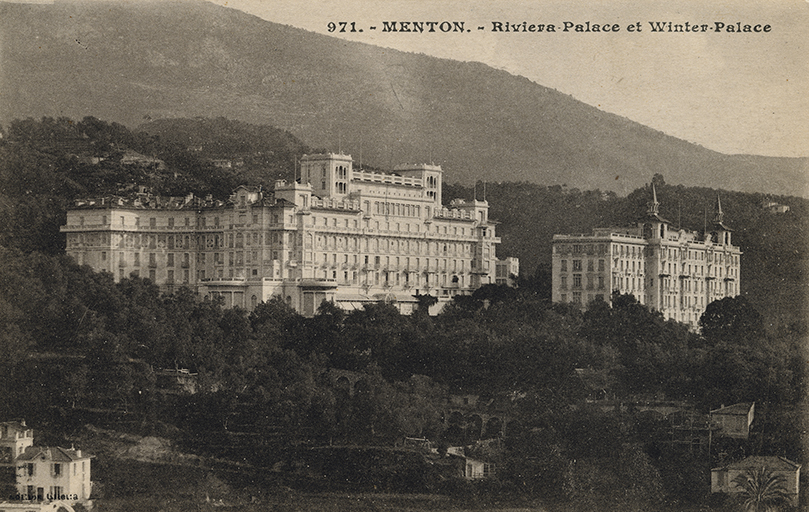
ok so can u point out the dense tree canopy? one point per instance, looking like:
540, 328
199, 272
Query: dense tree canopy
73, 339
731, 318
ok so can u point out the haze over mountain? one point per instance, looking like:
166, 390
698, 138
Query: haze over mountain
134, 62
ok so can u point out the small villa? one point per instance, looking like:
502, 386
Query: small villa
722, 478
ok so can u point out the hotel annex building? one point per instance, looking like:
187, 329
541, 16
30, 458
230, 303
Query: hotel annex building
341, 234
676, 272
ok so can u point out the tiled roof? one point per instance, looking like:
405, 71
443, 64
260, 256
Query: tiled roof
53, 453
740, 408
15, 425
761, 461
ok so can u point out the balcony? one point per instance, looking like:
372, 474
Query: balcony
224, 280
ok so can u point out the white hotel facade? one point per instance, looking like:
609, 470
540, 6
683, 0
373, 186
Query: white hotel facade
345, 235
674, 271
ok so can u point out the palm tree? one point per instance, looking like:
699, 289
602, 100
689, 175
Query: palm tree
762, 490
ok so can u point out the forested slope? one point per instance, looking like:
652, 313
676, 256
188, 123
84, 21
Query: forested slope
76, 345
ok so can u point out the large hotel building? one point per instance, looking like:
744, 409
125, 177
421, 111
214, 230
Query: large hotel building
339, 234
673, 271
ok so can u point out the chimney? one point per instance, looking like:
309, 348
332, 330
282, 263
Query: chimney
78, 454
22, 423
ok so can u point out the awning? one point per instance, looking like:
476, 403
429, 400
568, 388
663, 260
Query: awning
314, 284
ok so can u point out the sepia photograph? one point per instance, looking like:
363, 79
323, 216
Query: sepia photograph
399, 255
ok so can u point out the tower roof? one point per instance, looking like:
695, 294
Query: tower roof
719, 216
654, 207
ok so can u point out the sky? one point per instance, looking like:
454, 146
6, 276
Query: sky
730, 92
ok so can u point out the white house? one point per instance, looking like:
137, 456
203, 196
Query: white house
734, 420
15, 437
54, 474
722, 478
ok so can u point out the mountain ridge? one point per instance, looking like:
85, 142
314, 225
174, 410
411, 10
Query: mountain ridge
131, 63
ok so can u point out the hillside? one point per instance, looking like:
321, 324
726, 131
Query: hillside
774, 260
131, 63
270, 421
257, 154
49, 163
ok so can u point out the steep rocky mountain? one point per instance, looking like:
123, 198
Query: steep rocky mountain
134, 62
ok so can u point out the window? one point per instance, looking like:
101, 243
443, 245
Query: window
57, 469
576, 265
170, 260
30, 469
601, 265
564, 265
576, 280
590, 265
